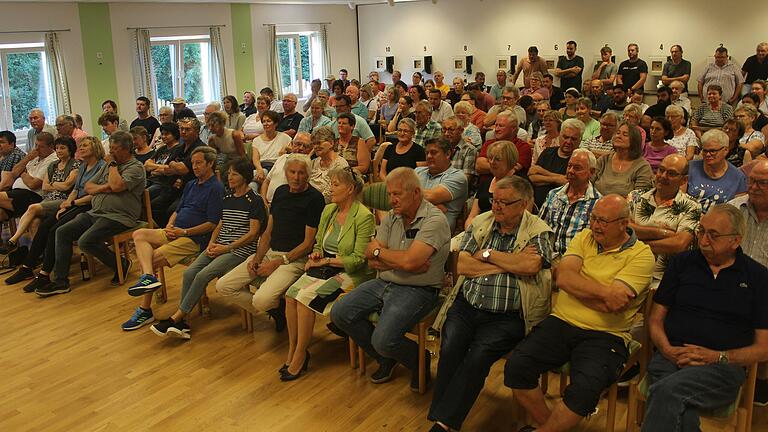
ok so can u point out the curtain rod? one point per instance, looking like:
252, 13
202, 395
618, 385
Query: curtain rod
35, 31
269, 24
173, 27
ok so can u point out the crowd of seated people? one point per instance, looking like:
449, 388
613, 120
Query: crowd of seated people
593, 192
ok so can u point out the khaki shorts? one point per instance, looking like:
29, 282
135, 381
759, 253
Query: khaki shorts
175, 251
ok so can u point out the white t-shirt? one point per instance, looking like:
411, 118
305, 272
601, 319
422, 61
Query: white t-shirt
253, 125
37, 168
105, 144
276, 177
269, 150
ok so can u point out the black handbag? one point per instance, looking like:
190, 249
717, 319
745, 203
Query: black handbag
324, 272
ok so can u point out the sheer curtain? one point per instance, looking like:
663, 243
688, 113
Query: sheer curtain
143, 73
274, 59
58, 73
218, 75
323, 36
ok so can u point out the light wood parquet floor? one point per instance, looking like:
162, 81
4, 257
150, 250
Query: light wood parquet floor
65, 365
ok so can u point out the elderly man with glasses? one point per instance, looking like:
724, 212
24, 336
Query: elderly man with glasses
712, 179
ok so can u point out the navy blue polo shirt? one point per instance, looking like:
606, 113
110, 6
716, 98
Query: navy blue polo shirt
717, 313
200, 203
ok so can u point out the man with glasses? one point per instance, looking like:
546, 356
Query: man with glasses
507, 102
724, 73
754, 207
709, 321
502, 292
290, 119
426, 128
603, 282
712, 179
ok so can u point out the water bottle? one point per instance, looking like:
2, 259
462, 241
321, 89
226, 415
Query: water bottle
84, 268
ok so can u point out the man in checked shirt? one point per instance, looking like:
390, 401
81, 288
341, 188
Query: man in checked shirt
505, 290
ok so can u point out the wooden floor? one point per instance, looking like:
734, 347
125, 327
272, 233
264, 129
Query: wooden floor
65, 365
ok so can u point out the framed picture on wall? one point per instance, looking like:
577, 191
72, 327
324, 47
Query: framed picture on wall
551, 62
418, 64
503, 63
656, 65
380, 64
458, 64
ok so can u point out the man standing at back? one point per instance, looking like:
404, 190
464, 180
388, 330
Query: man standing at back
532, 63
633, 71
676, 69
569, 68
144, 119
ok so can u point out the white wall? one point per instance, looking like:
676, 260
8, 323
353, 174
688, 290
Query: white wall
488, 27
342, 35
45, 16
125, 15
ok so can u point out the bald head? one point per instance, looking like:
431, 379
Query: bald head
614, 206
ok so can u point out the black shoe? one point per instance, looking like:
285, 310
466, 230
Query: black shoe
527, 428
627, 376
278, 314
287, 376
53, 288
428, 372
22, 274
126, 268
385, 372
336, 330
8, 248
437, 428
283, 368
761, 393
38, 282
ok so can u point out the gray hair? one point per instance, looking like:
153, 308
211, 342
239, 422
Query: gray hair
738, 222
348, 176
215, 105
165, 110
323, 133
38, 111
610, 115
748, 109
408, 122
299, 158
405, 177
590, 156
573, 123
464, 105
633, 108
67, 118
193, 121
123, 139
522, 187
325, 92
512, 89
511, 116
423, 103
303, 134
209, 153
674, 110
715, 135
456, 120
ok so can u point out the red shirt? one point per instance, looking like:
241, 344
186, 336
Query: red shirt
485, 102
524, 154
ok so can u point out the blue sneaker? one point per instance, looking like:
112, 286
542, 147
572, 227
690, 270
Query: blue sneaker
147, 283
139, 319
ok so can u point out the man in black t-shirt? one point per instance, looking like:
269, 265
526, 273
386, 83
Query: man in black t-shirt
709, 321
549, 170
289, 119
180, 109
556, 95
144, 119
569, 68
279, 262
633, 71
756, 66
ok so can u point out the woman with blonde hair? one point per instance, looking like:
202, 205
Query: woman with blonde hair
551, 121
502, 158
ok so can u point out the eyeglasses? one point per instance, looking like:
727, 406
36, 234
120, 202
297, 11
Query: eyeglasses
711, 235
404, 131
503, 204
669, 173
603, 221
711, 151
759, 183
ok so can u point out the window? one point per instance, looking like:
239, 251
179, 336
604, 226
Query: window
299, 57
182, 69
24, 85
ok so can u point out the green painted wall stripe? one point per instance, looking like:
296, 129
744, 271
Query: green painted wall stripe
96, 31
242, 40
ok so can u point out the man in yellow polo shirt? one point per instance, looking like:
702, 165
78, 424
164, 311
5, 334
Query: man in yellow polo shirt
603, 280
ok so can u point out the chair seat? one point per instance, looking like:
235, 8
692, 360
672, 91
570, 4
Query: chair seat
722, 412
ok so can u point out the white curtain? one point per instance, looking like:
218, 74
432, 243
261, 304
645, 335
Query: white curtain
218, 76
58, 74
326, 50
143, 73
274, 62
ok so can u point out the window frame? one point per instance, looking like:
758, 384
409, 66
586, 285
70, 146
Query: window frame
177, 67
315, 60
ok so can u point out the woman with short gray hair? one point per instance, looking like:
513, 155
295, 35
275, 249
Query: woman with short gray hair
405, 153
712, 179
327, 160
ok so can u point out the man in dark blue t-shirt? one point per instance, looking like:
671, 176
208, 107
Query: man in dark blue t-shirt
709, 321
186, 234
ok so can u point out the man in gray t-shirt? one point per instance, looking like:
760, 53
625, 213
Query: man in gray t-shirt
409, 251
117, 191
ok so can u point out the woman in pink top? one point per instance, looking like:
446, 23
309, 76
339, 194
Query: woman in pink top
658, 148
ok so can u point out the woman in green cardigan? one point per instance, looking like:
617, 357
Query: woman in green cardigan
335, 266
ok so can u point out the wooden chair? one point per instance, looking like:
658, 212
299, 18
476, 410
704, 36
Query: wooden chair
161, 295
124, 237
735, 416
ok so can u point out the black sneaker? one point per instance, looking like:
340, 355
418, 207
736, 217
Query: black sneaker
53, 288
179, 330
8, 248
527, 428
126, 268
415, 374
278, 314
22, 274
761, 393
625, 378
38, 282
385, 372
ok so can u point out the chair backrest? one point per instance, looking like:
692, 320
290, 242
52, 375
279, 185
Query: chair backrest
146, 209
375, 196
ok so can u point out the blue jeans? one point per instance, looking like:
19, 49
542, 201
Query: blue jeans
203, 270
400, 306
472, 341
91, 234
676, 395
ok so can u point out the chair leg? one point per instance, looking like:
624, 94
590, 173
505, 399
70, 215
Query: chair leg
205, 307
632, 406
361, 360
250, 321
352, 347
119, 261
243, 319
422, 360
563, 382
91, 264
161, 295
610, 418
544, 382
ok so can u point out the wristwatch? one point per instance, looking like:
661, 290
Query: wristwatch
376, 252
286, 260
486, 255
723, 359
113, 164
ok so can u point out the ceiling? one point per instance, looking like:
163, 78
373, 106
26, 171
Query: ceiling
304, 2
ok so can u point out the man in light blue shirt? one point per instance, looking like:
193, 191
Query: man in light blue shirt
362, 130
442, 184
